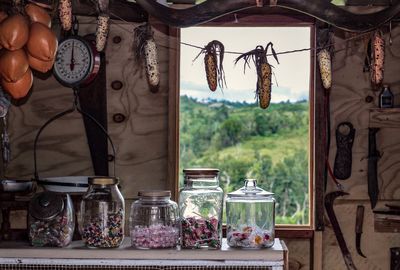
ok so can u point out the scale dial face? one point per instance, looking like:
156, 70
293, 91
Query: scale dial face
74, 61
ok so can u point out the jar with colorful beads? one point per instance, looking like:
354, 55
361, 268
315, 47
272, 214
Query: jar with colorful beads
200, 206
51, 220
102, 214
250, 217
154, 220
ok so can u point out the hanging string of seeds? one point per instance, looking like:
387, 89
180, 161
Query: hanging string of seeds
264, 71
213, 64
146, 51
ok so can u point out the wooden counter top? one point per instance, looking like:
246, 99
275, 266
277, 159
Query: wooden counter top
77, 250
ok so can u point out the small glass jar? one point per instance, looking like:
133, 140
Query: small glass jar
250, 217
154, 221
200, 207
51, 220
102, 213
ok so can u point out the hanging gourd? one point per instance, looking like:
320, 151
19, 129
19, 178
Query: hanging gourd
14, 32
377, 59
146, 51
214, 64
264, 72
38, 14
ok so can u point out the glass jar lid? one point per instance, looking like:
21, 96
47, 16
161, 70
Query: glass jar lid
154, 193
250, 190
103, 180
46, 205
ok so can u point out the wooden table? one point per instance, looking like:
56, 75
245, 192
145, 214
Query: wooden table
14, 255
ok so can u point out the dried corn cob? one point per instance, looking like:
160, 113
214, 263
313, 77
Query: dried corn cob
264, 85
210, 63
378, 58
264, 72
151, 59
324, 59
102, 31
146, 51
65, 13
214, 70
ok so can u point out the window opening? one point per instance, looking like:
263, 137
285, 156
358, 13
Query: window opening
226, 129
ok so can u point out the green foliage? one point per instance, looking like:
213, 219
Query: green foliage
244, 141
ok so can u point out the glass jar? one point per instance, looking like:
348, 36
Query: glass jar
250, 217
51, 220
154, 220
200, 207
102, 213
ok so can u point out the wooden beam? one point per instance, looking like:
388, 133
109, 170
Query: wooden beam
119, 9
320, 9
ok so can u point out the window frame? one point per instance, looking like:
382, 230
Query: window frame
316, 146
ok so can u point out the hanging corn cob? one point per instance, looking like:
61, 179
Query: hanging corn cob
264, 72
65, 13
145, 47
325, 68
378, 58
102, 31
214, 69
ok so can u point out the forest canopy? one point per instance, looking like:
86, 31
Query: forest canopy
244, 141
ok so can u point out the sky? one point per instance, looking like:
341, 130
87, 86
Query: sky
291, 80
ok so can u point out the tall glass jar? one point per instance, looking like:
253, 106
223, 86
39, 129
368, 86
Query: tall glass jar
154, 220
102, 213
250, 217
51, 220
200, 206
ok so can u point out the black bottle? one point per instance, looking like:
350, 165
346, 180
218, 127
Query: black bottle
386, 97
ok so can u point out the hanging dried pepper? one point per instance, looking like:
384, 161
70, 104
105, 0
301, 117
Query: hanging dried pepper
145, 47
264, 72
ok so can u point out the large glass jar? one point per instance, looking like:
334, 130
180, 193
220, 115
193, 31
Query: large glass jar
154, 220
200, 206
102, 213
250, 217
51, 220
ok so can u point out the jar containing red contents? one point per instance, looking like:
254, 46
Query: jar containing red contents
250, 217
200, 206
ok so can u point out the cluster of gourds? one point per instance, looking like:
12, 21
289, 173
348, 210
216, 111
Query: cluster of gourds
26, 43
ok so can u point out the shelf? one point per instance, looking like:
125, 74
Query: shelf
22, 253
384, 118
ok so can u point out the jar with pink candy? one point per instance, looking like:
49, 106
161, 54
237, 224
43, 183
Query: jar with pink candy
154, 222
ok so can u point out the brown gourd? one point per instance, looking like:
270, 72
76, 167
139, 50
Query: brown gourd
42, 43
3, 16
13, 65
38, 14
20, 88
39, 65
14, 32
